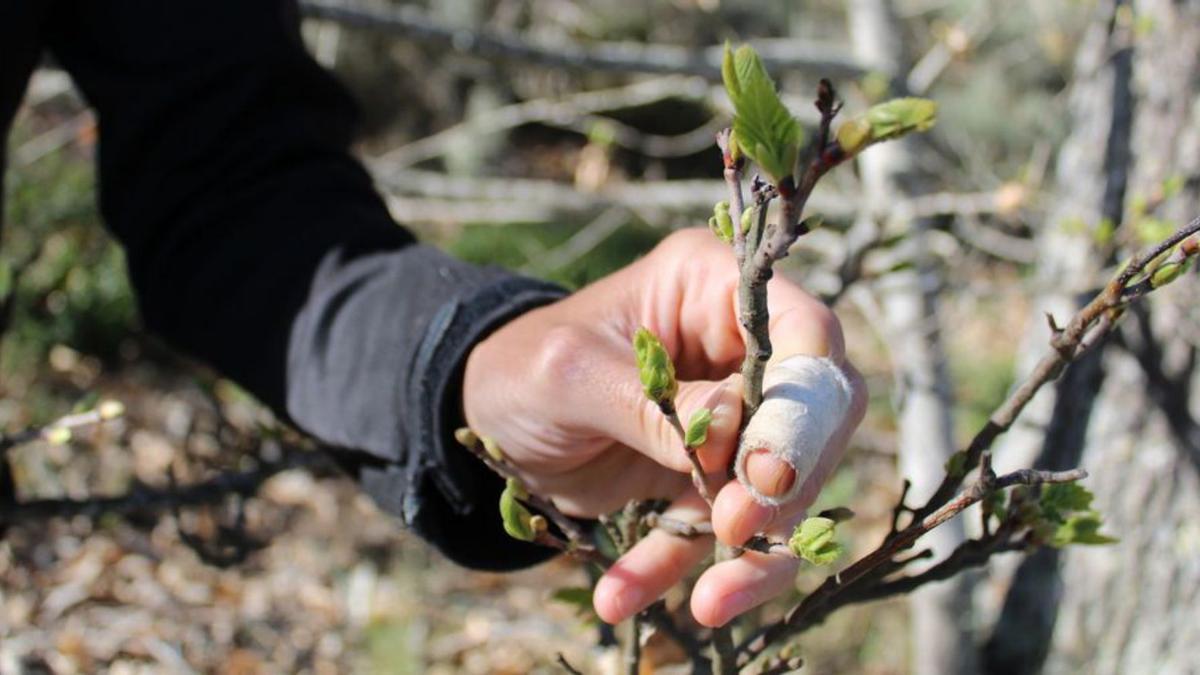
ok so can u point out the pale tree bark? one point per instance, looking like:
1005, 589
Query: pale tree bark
1135, 607
1090, 186
941, 615
1130, 607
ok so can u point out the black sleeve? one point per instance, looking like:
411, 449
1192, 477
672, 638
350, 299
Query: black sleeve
257, 243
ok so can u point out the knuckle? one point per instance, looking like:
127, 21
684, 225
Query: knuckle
561, 356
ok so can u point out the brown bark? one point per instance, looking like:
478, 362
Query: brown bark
1130, 607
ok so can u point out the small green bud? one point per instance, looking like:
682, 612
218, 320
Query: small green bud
655, 369
517, 520
57, 435
1168, 272
721, 223
492, 448
697, 428
517, 488
466, 437
748, 215
813, 540
110, 410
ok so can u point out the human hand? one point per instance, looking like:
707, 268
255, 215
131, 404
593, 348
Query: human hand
558, 389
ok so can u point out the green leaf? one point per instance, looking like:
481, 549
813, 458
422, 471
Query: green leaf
813, 540
885, 121
900, 116
516, 518
765, 130
1081, 528
697, 428
655, 368
1059, 500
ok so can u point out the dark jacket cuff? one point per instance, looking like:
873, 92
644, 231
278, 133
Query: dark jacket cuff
450, 497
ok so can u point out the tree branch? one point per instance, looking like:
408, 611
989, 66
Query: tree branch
779, 55
145, 499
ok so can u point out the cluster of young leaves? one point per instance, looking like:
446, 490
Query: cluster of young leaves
763, 128
813, 540
1067, 516
1062, 515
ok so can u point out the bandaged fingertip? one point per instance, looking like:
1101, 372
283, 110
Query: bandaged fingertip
805, 402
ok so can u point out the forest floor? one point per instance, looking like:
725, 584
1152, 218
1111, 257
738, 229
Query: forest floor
313, 577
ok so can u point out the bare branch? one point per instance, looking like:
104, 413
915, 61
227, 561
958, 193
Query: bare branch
576, 535
407, 21
145, 499
60, 430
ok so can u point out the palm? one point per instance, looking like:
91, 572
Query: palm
558, 389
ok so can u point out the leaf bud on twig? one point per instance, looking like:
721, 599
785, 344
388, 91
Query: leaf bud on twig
655, 369
721, 222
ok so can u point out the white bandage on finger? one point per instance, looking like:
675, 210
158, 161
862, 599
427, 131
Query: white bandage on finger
805, 402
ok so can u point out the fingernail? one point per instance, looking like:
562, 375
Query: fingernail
768, 474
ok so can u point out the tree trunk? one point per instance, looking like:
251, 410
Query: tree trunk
942, 642
1130, 607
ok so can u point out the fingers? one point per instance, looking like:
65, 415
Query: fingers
732, 587
736, 516
652, 566
801, 324
622, 413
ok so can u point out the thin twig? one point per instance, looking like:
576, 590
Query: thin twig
145, 499
677, 527
880, 561
569, 527
699, 479
1088, 326
733, 182
566, 665
68, 423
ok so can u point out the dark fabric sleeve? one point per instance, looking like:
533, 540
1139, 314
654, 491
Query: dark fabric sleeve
257, 243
